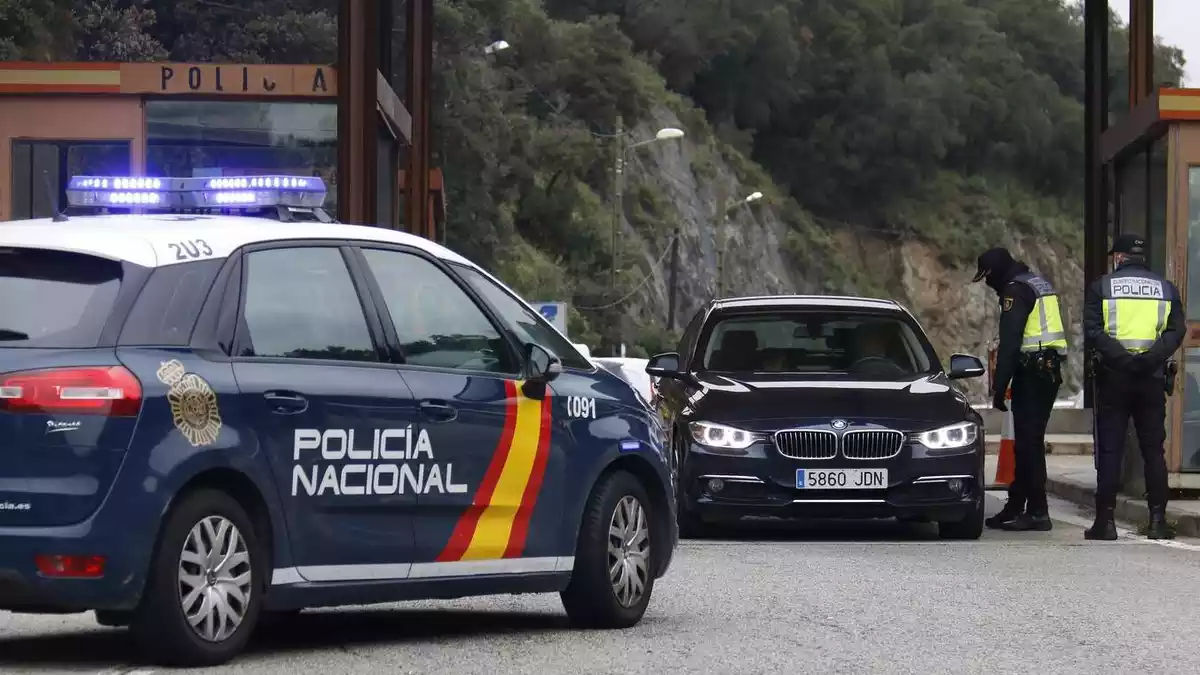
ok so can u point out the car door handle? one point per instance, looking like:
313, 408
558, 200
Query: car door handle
439, 411
286, 402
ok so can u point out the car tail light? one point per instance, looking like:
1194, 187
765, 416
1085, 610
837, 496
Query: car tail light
111, 391
70, 566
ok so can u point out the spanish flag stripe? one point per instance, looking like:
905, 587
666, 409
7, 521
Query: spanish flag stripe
59, 65
460, 539
520, 528
495, 525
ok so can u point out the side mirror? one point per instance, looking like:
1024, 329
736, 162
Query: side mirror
664, 365
963, 366
542, 365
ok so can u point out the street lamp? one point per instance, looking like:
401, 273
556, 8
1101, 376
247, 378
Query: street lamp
724, 206
497, 46
622, 151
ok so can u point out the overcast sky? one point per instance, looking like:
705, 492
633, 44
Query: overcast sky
1176, 22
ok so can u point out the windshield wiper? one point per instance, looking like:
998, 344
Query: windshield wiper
6, 334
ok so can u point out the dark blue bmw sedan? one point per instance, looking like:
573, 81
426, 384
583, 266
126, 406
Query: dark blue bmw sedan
819, 406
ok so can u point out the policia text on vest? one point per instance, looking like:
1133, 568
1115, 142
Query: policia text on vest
1033, 344
1134, 321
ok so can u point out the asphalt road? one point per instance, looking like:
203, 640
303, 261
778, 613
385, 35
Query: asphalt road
824, 598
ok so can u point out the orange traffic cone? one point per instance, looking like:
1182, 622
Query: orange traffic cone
1006, 463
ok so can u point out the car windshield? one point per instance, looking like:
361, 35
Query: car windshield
873, 346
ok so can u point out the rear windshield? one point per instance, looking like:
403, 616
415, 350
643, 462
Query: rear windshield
55, 299
859, 344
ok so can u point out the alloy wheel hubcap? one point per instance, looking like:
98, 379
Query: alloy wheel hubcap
215, 579
629, 551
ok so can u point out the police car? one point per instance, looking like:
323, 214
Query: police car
216, 404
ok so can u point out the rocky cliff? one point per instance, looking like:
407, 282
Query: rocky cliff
776, 247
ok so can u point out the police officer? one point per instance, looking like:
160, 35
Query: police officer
1134, 320
1032, 346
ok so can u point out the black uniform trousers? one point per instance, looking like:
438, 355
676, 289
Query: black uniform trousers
1033, 396
1120, 396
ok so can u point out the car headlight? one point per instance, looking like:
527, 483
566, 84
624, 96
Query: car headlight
721, 436
950, 437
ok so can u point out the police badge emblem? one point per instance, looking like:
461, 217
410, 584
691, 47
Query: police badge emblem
1007, 304
193, 404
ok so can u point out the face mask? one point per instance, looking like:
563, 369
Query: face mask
995, 281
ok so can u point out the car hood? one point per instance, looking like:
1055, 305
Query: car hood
769, 402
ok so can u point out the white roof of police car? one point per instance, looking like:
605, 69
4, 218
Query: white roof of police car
146, 239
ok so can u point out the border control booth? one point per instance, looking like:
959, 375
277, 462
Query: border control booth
344, 125
1143, 177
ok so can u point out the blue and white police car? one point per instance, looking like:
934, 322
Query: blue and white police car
216, 404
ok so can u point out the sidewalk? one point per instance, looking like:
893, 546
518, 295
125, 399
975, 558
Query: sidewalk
1056, 444
1073, 478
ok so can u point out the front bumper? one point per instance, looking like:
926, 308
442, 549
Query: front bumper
762, 483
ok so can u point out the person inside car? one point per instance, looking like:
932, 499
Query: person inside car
870, 352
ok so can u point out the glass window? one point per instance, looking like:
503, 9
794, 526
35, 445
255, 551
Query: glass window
243, 138
529, 326
41, 170
301, 303
1191, 409
862, 345
688, 340
1131, 183
1156, 223
55, 299
386, 179
1193, 240
169, 305
437, 323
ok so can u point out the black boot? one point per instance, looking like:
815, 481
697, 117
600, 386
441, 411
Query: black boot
1011, 511
1104, 528
1037, 522
1158, 528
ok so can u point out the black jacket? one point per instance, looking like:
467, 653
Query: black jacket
1113, 355
1016, 302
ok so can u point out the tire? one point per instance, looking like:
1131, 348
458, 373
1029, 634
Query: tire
970, 527
590, 599
160, 625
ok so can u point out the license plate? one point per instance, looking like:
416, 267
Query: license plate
841, 479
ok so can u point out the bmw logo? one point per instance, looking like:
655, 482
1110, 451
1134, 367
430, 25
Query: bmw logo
839, 424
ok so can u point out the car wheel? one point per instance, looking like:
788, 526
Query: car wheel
614, 559
970, 527
206, 583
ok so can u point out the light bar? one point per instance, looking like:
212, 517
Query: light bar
170, 193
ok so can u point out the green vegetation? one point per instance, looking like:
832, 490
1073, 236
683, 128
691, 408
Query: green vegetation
949, 121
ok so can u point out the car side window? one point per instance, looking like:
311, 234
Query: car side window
301, 303
529, 326
688, 340
436, 321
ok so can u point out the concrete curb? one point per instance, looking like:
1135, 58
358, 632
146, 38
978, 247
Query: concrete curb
992, 447
1128, 509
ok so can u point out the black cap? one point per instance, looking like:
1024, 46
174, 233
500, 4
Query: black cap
1129, 244
992, 260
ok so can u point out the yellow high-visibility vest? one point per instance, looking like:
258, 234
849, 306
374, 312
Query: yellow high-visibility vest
1044, 327
1135, 310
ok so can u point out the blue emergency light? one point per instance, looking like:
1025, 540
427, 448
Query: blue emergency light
192, 193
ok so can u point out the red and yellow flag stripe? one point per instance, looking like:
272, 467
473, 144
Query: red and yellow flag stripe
497, 522
22, 77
